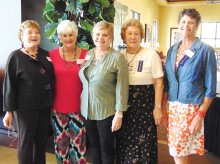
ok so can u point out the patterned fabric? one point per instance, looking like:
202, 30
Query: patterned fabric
69, 138
180, 141
137, 139
179, 56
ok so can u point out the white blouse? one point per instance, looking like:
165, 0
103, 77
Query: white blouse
143, 67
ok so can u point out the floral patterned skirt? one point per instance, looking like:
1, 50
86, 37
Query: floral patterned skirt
137, 139
180, 141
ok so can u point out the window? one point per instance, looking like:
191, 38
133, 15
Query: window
210, 33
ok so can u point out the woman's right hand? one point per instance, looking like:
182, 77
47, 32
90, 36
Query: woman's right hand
7, 120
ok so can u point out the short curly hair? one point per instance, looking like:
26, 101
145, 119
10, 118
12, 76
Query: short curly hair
131, 22
27, 24
192, 13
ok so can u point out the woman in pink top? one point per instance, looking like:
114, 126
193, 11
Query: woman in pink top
69, 131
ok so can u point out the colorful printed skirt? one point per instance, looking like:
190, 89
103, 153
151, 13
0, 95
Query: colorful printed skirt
69, 138
180, 141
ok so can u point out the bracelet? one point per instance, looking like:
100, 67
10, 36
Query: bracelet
119, 115
157, 106
201, 113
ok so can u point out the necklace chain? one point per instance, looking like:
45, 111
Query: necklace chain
69, 65
132, 58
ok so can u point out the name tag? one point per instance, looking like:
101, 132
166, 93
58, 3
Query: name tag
189, 53
87, 57
183, 60
49, 59
140, 65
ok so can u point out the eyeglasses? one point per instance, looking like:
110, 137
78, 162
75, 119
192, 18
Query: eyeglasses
12, 134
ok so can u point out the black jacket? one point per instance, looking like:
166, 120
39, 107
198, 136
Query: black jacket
28, 83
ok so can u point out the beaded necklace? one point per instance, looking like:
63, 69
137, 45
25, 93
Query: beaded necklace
69, 65
33, 56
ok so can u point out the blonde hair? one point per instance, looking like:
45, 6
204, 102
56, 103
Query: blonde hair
103, 25
67, 27
27, 24
131, 22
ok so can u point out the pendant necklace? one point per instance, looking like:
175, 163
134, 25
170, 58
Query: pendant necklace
67, 64
129, 62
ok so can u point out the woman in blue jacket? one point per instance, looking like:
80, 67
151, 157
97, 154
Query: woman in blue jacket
190, 86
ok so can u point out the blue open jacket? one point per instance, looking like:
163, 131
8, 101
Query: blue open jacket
194, 80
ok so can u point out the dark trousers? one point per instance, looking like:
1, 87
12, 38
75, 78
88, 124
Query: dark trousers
101, 140
33, 128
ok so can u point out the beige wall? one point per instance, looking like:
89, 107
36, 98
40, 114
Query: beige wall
167, 16
148, 9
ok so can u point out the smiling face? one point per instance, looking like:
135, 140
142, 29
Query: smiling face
31, 37
187, 26
68, 39
132, 36
102, 38
67, 32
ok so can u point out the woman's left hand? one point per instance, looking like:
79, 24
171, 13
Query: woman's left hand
197, 121
116, 123
196, 124
158, 116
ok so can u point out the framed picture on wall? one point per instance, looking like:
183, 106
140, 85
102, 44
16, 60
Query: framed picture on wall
175, 36
135, 15
148, 32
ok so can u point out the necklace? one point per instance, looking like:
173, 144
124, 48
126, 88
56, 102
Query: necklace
129, 62
33, 56
69, 65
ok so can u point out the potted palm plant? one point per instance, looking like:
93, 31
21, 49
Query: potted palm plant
84, 12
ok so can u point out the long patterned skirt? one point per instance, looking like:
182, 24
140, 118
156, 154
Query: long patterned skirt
137, 139
69, 138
